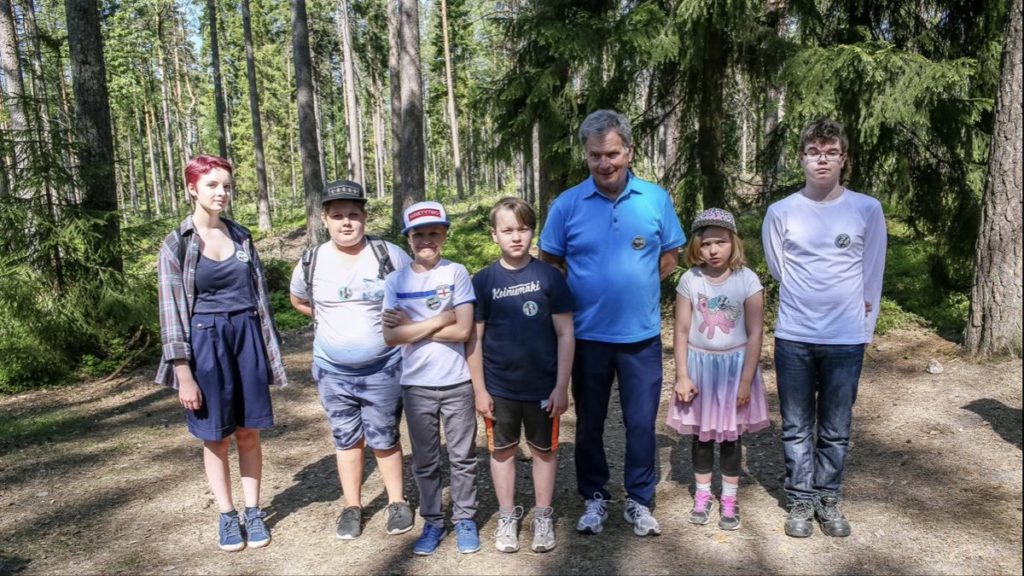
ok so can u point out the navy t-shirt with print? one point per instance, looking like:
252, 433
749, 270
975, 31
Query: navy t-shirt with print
520, 345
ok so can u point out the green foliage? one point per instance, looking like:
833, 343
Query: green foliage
469, 238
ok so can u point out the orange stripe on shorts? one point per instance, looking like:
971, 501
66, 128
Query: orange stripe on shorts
554, 433
490, 434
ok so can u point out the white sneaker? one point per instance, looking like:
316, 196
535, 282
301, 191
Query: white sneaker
640, 517
506, 535
596, 512
543, 534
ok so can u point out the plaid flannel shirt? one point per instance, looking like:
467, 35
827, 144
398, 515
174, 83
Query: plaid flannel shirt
177, 281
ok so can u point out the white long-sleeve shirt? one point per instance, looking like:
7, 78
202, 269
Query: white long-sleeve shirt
829, 258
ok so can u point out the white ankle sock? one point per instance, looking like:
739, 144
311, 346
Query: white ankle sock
703, 487
729, 489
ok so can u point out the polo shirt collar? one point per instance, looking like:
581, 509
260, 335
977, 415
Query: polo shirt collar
591, 188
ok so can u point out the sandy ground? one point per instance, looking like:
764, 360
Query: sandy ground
104, 478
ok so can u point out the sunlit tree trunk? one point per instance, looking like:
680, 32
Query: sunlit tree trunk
395, 76
413, 149
218, 88
355, 137
378, 140
994, 328
153, 168
133, 186
452, 117
312, 176
257, 127
14, 93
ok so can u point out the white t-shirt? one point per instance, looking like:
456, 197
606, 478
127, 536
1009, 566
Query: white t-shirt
829, 258
422, 296
718, 321
348, 305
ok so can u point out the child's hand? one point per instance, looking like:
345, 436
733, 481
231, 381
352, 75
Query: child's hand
685, 389
484, 404
743, 395
392, 317
558, 402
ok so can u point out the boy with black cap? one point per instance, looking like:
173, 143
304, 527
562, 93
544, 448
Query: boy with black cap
428, 309
340, 284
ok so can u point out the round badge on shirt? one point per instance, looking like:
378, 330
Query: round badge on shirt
639, 243
530, 308
842, 241
242, 256
433, 303
443, 292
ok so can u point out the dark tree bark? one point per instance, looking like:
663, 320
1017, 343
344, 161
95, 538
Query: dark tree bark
257, 126
413, 150
92, 116
312, 177
711, 114
218, 88
995, 321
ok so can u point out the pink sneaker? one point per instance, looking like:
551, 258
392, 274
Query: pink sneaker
729, 518
703, 506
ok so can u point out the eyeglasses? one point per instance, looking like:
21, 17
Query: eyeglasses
816, 155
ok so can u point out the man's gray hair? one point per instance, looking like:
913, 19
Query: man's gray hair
601, 122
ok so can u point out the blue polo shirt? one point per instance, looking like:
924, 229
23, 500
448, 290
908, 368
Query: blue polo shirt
612, 250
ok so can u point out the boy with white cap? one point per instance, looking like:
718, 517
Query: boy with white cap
428, 310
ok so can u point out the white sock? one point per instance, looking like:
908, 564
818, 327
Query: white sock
703, 487
729, 489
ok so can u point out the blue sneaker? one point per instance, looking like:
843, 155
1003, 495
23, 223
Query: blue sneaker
230, 532
428, 542
256, 533
466, 538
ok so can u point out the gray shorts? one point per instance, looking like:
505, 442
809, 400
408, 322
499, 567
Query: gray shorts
362, 406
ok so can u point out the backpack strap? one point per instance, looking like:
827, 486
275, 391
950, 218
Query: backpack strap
308, 266
380, 250
182, 249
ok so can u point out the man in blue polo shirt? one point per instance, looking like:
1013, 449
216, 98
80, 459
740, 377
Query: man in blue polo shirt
617, 236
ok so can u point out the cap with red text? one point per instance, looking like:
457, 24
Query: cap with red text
423, 214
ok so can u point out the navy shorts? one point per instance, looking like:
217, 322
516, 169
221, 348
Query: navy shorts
511, 416
230, 365
360, 407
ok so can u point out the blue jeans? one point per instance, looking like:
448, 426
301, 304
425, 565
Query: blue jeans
817, 388
638, 369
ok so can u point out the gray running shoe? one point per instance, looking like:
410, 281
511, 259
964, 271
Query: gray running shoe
594, 515
729, 517
543, 533
830, 517
641, 518
506, 535
350, 523
400, 518
703, 506
798, 523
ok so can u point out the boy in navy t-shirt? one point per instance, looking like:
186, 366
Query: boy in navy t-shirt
520, 359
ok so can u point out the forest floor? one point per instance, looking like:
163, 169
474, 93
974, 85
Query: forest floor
103, 478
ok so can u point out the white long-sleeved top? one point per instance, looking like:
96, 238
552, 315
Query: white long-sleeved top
829, 258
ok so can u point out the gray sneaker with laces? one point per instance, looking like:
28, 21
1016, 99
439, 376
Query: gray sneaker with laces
543, 533
798, 523
350, 523
506, 535
399, 518
594, 514
830, 517
641, 518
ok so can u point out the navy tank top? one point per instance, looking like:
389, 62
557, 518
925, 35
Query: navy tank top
224, 286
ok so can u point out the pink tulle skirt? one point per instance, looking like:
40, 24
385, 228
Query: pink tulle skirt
713, 415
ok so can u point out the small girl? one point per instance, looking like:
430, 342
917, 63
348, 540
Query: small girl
719, 394
221, 348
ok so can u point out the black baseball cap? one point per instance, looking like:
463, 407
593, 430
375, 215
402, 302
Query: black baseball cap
343, 190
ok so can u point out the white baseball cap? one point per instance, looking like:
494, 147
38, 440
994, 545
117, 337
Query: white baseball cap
424, 214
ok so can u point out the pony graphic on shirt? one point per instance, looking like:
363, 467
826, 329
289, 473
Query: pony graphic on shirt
716, 312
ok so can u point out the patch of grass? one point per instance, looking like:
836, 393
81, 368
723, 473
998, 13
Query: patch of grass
19, 429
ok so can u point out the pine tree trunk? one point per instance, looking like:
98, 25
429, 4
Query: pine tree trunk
218, 88
378, 141
355, 136
14, 93
711, 115
141, 134
413, 148
994, 328
452, 117
257, 127
291, 135
93, 126
133, 186
172, 184
312, 176
395, 77
153, 168
319, 119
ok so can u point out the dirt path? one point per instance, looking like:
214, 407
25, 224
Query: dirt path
103, 478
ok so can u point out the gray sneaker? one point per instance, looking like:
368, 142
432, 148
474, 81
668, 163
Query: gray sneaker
641, 518
400, 518
703, 506
594, 514
830, 517
350, 523
543, 533
506, 535
798, 523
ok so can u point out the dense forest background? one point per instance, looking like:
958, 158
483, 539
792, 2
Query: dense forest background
459, 100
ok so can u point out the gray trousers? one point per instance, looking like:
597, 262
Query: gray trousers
425, 410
